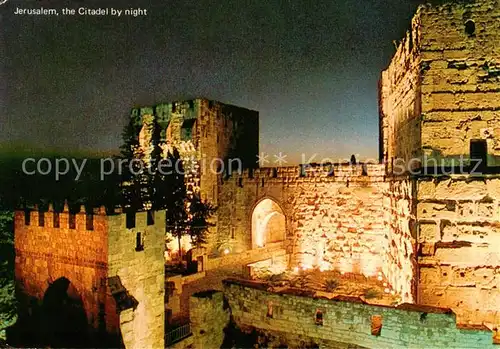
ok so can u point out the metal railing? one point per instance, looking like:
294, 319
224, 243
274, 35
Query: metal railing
178, 334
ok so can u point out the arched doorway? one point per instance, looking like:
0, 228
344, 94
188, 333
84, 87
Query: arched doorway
268, 223
64, 319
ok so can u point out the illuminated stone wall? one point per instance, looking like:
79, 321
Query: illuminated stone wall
400, 102
460, 77
333, 219
439, 93
88, 256
211, 137
208, 318
441, 89
142, 273
400, 254
46, 253
347, 321
459, 239
211, 132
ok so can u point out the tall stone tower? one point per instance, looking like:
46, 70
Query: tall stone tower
439, 97
440, 110
90, 279
213, 140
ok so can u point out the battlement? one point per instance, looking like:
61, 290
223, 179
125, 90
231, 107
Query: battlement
322, 172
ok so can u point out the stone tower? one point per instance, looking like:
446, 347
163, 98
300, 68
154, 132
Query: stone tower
439, 97
440, 118
213, 139
96, 277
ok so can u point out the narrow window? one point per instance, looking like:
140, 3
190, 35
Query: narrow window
364, 170
130, 217
72, 221
478, 155
27, 217
232, 232
139, 243
56, 221
41, 219
319, 318
376, 325
89, 222
262, 182
151, 218
302, 171
275, 172
269, 310
470, 27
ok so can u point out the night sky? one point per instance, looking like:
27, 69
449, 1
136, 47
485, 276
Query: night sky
310, 68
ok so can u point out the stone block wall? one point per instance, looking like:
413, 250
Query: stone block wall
460, 78
334, 216
338, 224
209, 316
277, 264
400, 102
212, 132
459, 239
239, 260
229, 141
441, 89
400, 257
142, 273
51, 248
349, 321
212, 138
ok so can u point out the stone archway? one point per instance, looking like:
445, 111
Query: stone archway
268, 223
64, 321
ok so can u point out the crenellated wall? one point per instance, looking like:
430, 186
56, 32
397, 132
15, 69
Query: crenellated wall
459, 239
109, 273
53, 248
334, 216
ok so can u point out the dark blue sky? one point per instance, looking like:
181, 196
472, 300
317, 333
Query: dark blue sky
309, 67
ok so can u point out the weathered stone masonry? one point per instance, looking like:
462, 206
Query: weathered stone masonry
212, 132
439, 97
118, 274
347, 321
334, 220
441, 89
459, 246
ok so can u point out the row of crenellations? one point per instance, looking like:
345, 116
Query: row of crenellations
85, 219
315, 170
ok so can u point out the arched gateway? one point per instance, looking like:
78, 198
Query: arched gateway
268, 223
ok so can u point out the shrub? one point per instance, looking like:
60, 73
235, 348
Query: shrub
331, 285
